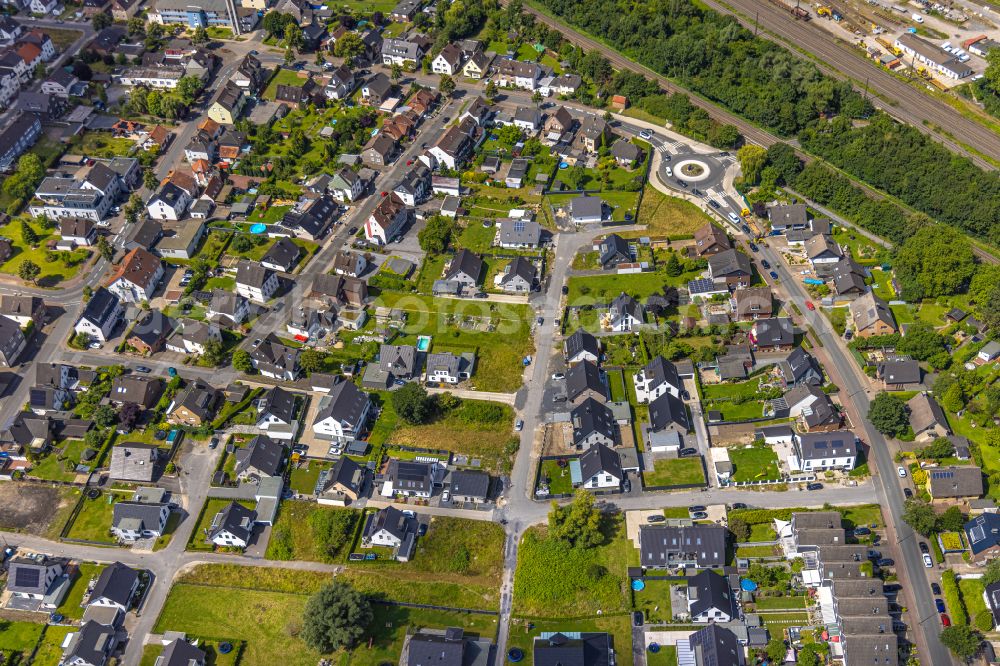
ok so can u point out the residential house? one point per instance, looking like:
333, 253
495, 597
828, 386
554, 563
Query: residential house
585, 210
773, 333
254, 282
848, 278
62, 196
823, 253
927, 419
814, 407
955, 483
379, 151
593, 423
822, 451
476, 66
376, 90
601, 468
274, 359
346, 186
100, 316
478, 111
116, 587
456, 145
311, 219
23, 309
297, 96
259, 459
787, 217
585, 382
346, 262
282, 256
387, 220
516, 172
752, 303
517, 74
716, 645
228, 106
447, 61
232, 527
469, 486
519, 276
142, 391
800, 368
340, 84
581, 346
898, 373
710, 239
465, 268
731, 267
251, 75
12, 342
983, 535
576, 648
872, 316
194, 337
45, 105
668, 413
341, 484
41, 578
710, 598
60, 83
593, 134
136, 277
131, 521
149, 334
625, 314
94, 642
228, 308
700, 546
78, 231
988, 353
528, 119
404, 51
20, 135
342, 414
169, 203
415, 186
194, 404
391, 528
449, 368
132, 461
626, 153
411, 479
179, 652
613, 251
657, 377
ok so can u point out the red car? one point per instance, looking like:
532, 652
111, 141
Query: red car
409, 162
809, 304
945, 620
385, 194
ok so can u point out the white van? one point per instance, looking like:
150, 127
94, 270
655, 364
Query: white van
918, 18
670, 172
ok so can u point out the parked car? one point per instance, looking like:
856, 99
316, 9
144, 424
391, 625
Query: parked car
861, 531
907, 493
519, 425
886, 562
446, 496
945, 620
939, 604
687, 452
95, 345
214, 443
655, 518
645, 135
714, 204
701, 515
774, 276
810, 306
814, 486
143, 369
738, 505
637, 618
901, 471
734, 217
565, 289
559, 398
422, 530
765, 263
928, 562
697, 508
923, 548
559, 375
848, 334
409, 513
753, 247
935, 588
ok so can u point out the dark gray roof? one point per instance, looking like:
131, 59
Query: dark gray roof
465, 262
590, 417
116, 583
582, 341
345, 472
436, 649
181, 653
399, 360
28, 575
925, 412
345, 403
712, 591
773, 332
797, 367
393, 521
956, 482
262, 454
252, 273
614, 250
785, 216
836, 444
600, 459
717, 646
236, 519
667, 410
520, 267
100, 307
662, 545
660, 370
90, 645
626, 150
470, 483
148, 515
586, 207
983, 532
589, 649
276, 356
280, 403
583, 377
284, 253
899, 371
412, 476
730, 262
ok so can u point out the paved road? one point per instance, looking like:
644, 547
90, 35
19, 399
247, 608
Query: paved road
843, 61
854, 394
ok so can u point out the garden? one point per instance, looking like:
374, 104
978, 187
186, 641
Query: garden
754, 463
199, 536
93, 522
60, 463
668, 216
307, 531
54, 266
556, 475
654, 600
71, 605
668, 472
741, 401
603, 288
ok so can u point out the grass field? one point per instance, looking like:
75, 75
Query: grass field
972, 597
93, 523
667, 656
53, 467
754, 464
669, 216
70, 607
50, 651
560, 482
94, 144
285, 77
654, 601
780, 603
731, 411
293, 527
674, 472
603, 288
555, 581
523, 631
476, 237
18, 639
65, 266
303, 478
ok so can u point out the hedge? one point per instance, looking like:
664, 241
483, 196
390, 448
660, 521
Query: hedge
953, 598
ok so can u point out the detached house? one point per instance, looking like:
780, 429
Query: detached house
518, 74
341, 484
116, 587
818, 452
927, 419
657, 377
593, 423
254, 282
346, 186
341, 83
194, 404
581, 346
169, 203
449, 368
276, 360
387, 220
411, 479
773, 333
752, 303
101, 315
137, 277
392, 528
955, 483
624, 315
710, 598
456, 145
584, 382
448, 61
983, 534
731, 267
228, 308
23, 309
260, 459
342, 414
601, 468
132, 521
872, 316
614, 251
465, 268
519, 276
233, 526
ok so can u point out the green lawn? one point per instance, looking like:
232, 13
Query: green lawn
754, 464
674, 472
269, 623
18, 639
93, 523
50, 651
864, 251
499, 349
53, 467
882, 284
780, 603
303, 478
903, 314
667, 656
654, 601
746, 389
70, 606
63, 265
284, 77
270, 215
603, 288
972, 597
669, 216
476, 237
560, 482
95, 144
294, 536
751, 409
554, 581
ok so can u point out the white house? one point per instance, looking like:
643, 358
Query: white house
137, 277
116, 587
233, 526
170, 203
821, 451
100, 316
342, 414
448, 61
276, 414
132, 521
390, 527
710, 598
659, 376
601, 468
254, 282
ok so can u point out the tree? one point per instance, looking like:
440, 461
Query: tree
888, 414
961, 639
242, 361
289, 56
446, 85
536, 98
28, 270
809, 655
673, 267
412, 403
274, 23
991, 574
200, 35
242, 244
149, 179
189, 87
776, 650
293, 36
105, 416
100, 21
136, 26
753, 159
105, 249
348, 47
133, 208
40, 71
491, 91
320, 58
128, 415
783, 158
578, 524
311, 360
395, 72
436, 234
22, 183
739, 528
951, 520
214, 353
336, 617
920, 515
935, 261
28, 234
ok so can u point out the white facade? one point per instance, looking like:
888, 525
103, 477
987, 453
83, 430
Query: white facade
333, 429
440, 65
646, 391
161, 210
95, 332
131, 292
603, 479
227, 539
260, 294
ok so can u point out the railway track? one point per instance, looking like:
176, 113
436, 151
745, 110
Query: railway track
914, 107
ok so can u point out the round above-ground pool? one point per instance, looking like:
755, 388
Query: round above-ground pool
654, 647
748, 585
638, 584
515, 655
563, 165
258, 228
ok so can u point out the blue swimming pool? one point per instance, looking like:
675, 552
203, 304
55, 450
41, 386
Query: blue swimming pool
258, 228
423, 343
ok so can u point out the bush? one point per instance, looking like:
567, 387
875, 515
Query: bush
953, 598
984, 621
